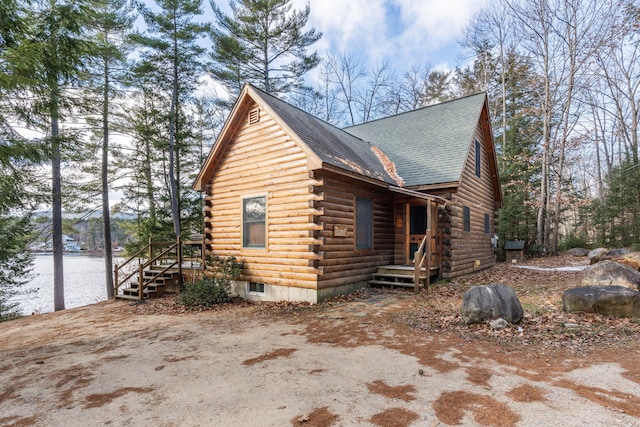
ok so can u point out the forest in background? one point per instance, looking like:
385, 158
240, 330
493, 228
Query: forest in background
90, 104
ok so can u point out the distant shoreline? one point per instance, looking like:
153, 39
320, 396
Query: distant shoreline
82, 253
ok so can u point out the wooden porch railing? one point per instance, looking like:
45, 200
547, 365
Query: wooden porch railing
167, 259
421, 257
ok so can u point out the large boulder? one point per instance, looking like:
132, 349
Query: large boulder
617, 252
482, 303
609, 272
578, 252
631, 259
597, 253
615, 301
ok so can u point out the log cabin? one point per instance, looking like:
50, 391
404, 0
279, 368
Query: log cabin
313, 211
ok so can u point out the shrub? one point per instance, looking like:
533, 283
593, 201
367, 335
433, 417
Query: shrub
213, 289
204, 293
573, 241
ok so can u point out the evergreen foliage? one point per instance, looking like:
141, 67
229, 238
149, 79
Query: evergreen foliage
618, 216
166, 76
19, 158
263, 43
51, 61
15, 262
110, 25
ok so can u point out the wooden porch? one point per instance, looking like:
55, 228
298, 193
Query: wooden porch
403, 276
419, 242
158, 268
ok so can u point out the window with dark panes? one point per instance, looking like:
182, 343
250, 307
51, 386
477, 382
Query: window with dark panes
254, 214
478, 159
487, 225
466, 218
364, 223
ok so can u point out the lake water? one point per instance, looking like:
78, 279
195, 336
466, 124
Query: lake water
84, 283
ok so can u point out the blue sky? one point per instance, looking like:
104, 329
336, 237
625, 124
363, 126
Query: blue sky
405, 33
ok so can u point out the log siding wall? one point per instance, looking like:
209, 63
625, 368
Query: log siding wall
261, 159
302, 248
472, 251
341, 262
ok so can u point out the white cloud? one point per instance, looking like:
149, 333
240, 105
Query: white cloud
405, 33
347, 25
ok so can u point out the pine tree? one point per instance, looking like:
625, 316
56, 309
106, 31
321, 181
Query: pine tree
519, 173
110, 24
263, 43
171, 58
49, 62
18, 157
145, 193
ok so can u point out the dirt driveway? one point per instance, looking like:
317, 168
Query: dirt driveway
356, 361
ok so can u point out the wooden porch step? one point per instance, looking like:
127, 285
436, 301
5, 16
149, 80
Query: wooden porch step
397, 277
400, 276
147, 293
161, 275
127, 297
376, 282
155, 286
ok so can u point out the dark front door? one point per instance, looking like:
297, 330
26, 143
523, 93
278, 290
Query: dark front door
417, 229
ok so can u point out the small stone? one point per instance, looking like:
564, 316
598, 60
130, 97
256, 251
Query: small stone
420, 372
498, 324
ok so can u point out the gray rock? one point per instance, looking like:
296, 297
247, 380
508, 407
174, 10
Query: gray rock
481, 303
609, 272
498, 324
597, 252
616, 301
618, 252
578, 252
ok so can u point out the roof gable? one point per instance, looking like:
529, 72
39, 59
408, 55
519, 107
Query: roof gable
332, 145
324, 143
429, 145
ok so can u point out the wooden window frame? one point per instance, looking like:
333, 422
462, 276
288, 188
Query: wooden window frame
358, 223
478, 159
466, 219
243, 205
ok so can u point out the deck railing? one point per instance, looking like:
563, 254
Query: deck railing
421, 257
163, 255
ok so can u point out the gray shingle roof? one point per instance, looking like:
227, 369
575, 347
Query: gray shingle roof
334, 146
514, 245
429, 145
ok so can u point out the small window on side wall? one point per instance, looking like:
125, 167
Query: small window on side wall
466, 219
254, 215
487, 224
364, 223
478, 159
